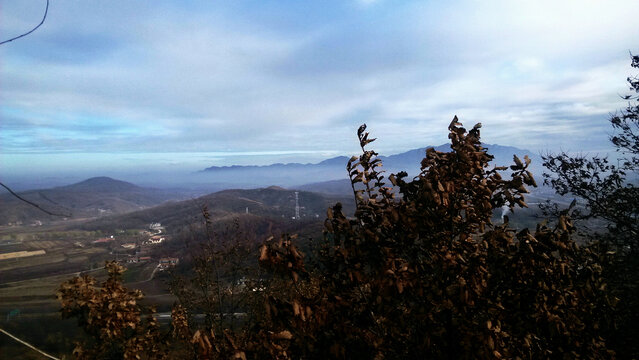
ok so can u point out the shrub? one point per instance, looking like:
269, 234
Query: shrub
428, 275
609, 193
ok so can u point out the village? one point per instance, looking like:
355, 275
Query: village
129, 249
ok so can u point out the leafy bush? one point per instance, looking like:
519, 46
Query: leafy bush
428, 275
609, 193
112, 317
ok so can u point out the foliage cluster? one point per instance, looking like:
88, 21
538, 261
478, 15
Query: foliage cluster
112, 317
608, 191
428, 275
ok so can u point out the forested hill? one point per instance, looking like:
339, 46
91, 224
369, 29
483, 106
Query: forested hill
271, 202
97, 196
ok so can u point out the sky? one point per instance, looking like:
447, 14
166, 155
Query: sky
107, 86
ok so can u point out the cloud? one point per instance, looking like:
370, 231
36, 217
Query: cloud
367, 2
200, 76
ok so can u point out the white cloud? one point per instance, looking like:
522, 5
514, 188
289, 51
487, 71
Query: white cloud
210, 77
367, 2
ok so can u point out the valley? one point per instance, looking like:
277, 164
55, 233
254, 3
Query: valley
140, 240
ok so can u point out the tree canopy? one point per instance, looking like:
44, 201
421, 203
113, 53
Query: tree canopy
607, 191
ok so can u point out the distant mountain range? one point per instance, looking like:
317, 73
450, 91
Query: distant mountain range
328, 173
90, 198
102, 196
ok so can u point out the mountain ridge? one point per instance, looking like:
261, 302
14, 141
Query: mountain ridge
337, 159
92, 197
295, 174
101, 183
271, 202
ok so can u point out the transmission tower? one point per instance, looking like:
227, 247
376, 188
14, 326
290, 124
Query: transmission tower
297, 206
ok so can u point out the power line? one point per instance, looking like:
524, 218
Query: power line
31, 203
29, 345
46, 10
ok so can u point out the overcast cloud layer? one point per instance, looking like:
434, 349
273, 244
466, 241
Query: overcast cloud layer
293, 80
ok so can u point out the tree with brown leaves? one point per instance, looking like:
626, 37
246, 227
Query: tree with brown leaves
117, 325
427, 275
609, 192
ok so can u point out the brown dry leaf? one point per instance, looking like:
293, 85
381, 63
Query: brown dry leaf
283, 335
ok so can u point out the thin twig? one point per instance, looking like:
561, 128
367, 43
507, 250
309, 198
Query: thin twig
31, 203
46, 10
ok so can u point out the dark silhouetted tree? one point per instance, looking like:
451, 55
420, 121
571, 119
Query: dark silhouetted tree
608, 191
427, 275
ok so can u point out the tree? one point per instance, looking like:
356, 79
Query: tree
219, 284
428, 275
112, 317
609, 192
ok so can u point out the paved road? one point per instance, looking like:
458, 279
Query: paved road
152, 274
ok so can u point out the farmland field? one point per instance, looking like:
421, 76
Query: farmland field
36, 295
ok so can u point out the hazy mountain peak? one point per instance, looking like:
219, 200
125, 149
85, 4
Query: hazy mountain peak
101, 184
334, 168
